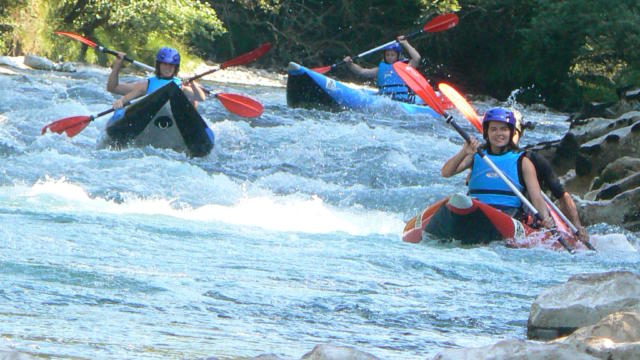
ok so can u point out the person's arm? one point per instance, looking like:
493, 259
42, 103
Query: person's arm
139, 89
568, 207
113, 83
194, 92
411, 51
566, 203
462, 160
546, 176
533, 189
359, 70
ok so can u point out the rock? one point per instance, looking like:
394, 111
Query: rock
596, 154
623, 209
611, 190
335, 352
68, 67
42, 63
15, 62
594, 109
14, 355
632, 94
266, 357
516, 350
582, 301
596, 127
619, 169
616, 336
39, 63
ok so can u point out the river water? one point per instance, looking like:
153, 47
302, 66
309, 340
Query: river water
288, 235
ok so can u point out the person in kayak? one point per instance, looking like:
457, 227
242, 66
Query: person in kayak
498, 127
389, 82
548, 179
167, 67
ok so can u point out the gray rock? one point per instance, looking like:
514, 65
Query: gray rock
41, 63
582, 301
619, 169
596, 154
516, 350
14, 355
623, 209
336, 352
616, 336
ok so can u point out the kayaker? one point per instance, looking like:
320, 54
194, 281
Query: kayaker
167, 67
548, 179
389, 82
498, 127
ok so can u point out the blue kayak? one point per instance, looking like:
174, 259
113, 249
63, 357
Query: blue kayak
309, 89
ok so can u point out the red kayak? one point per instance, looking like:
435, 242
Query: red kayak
472, 222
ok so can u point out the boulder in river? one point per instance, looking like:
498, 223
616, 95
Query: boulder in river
41, 63
582, 301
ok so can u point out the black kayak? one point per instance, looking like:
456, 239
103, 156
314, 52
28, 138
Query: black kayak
163, 119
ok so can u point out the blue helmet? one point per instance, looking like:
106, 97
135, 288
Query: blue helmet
501, 115
393, 47
169, 56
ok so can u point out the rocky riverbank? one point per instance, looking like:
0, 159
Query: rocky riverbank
600, 159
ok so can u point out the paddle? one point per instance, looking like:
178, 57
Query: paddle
237, 104
239, 60
73, 125
465, 108
102, 48
439, 23
420, 86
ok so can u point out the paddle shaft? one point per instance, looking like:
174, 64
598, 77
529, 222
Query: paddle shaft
564, 218
376, 48
492, 165
103, 49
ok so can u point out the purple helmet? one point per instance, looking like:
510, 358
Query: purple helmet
501, 115
169, 56
393, 47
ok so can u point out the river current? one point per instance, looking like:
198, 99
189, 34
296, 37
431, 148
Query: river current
286, 236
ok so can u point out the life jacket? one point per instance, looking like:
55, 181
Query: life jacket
486, 186
390, 83
156, 83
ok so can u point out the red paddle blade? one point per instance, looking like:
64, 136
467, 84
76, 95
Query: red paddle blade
71, 125
80, 38
248, 57
461, 104
241, 105
419, 85
322, 69
441, 23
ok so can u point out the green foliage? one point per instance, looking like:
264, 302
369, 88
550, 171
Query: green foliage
560, 52
7, 23
316, 32
567, 51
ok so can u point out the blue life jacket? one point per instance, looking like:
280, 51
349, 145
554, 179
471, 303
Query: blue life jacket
486, 186
390, 83
156, 83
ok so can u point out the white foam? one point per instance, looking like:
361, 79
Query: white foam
292, 213
612, 243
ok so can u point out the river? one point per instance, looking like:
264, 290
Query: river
286, 236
